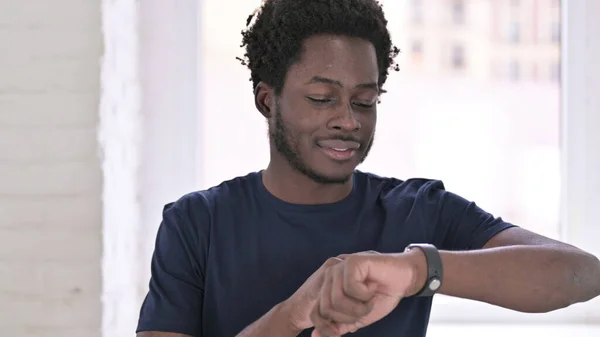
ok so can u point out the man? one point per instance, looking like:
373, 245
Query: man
310, 245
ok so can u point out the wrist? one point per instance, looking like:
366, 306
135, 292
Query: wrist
285, 314
418, 265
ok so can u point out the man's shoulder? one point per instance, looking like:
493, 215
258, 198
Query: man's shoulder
395, 187
202, 202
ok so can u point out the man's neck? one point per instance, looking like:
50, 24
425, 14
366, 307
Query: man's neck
294, 187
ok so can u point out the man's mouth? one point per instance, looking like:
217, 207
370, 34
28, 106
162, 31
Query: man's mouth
339, 150
339, 154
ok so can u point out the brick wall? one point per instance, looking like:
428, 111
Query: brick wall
50, 177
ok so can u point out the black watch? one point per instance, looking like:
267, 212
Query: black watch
435, 270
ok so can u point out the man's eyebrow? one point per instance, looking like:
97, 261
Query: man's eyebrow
371, 85
319, 79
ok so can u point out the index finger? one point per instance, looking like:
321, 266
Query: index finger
332, 261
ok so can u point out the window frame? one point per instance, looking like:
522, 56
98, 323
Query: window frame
147, 138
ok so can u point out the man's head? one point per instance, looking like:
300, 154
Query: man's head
318, 68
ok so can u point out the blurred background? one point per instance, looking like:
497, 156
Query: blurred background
110, 109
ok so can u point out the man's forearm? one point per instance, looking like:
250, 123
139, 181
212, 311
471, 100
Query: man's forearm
275, 323
523, 278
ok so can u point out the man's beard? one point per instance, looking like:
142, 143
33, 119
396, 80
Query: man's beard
289, 147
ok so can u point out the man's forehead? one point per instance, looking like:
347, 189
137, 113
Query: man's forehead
329, 55
344, 70
335, 45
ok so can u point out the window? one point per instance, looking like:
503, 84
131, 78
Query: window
458, 12
514, 32
417, 47
462, 111
417, 11
514, 71
515, 124
555, 72
458, 57
555, 32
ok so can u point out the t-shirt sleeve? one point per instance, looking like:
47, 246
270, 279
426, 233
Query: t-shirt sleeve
461, 224
174, 300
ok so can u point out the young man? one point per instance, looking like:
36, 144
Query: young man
310, 242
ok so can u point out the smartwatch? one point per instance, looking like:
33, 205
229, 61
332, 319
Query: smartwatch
435, 272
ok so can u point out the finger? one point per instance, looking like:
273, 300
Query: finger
342, 257
321, 318
333, 291
316, 333
356, 272
345, 309
332, 261
326, 332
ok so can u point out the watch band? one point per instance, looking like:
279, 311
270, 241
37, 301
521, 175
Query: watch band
435, 271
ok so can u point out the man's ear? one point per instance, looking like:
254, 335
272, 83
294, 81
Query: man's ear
264, 99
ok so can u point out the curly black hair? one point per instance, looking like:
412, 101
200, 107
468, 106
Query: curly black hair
274, 41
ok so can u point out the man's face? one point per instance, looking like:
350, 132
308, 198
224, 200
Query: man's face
324, 121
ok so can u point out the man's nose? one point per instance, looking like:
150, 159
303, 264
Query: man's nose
345, 119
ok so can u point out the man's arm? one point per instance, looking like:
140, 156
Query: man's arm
522, 271
173, 304
160, 334
490, 260
276, 322
516, 269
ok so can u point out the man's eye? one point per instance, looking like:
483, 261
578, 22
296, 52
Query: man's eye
320, 100
364, 105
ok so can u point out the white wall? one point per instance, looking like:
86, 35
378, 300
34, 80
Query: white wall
50, 177
148, 137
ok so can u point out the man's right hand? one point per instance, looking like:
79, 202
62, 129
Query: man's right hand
292, 316
299, 306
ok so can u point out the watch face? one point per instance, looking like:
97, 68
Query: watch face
434, 284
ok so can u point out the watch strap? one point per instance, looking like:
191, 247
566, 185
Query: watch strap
435, 272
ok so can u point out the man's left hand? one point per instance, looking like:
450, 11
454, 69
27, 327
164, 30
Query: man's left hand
364, 288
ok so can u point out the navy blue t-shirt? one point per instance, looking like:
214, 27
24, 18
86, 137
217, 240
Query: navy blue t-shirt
225, 256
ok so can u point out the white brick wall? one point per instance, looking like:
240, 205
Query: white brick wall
50, 177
